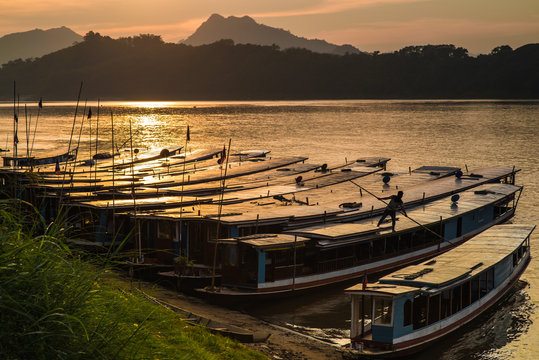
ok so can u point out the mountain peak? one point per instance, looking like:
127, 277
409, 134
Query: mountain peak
245, 30
35, 43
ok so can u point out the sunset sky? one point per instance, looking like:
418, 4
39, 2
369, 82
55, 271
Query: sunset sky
384, 25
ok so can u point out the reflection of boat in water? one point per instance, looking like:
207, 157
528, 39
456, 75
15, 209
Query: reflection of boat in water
406, 310
273, 265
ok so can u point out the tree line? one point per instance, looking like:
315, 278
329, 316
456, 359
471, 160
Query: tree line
144, 67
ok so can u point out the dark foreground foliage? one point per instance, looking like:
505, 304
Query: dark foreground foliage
56, 305
145, 68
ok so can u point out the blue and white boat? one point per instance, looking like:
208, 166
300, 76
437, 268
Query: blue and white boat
412, 307
275, 265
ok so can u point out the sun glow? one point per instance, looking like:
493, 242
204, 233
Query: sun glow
148, 104
146, 120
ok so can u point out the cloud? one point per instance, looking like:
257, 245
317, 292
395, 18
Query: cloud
331, 7
169, 32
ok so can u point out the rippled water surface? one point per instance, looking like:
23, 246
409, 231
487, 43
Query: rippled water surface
412, 133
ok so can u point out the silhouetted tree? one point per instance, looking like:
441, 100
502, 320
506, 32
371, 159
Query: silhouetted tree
144, 67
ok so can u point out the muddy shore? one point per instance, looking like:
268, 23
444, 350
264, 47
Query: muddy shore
276, 342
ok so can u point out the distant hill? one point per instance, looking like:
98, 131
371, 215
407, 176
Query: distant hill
144, 67
245, 30
35, 43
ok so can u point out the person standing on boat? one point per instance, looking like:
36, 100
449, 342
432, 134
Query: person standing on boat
395, 204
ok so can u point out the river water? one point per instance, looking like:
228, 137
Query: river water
412, 133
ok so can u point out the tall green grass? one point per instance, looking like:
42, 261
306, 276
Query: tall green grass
55, 303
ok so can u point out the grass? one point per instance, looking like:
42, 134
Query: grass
57, 303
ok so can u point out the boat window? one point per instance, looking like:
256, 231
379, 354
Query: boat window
362, 252
524, 249
407, 313
459, 227
456, 300
466, 294
391, 244
445, 309
475, 288
165, 231
232, 257
382, 310
490, 279
483, 284
434, 308
405, 242
430, 236
420, 311
419, 238
378, 247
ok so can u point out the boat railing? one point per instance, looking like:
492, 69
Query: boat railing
287, 271
336, 264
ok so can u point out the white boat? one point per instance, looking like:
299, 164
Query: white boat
412, 307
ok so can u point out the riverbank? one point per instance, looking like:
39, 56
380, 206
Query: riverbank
60, 303
282, 343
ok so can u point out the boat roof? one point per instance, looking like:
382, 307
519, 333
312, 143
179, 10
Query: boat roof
476, 255
266, 241
325, 201
470, 200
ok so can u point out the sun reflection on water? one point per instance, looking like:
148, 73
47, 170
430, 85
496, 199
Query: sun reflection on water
148, 104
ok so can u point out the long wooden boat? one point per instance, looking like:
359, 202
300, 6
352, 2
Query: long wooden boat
411, 308
33, 161
274, 265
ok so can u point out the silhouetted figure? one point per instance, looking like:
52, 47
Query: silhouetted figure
395, 203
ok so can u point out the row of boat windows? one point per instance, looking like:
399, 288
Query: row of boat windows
428, 309
316, 260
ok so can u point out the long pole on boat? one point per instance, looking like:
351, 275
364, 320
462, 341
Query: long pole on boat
219, 217
39, 106
69, 145
294, 270
90, 147
187, 138
26, 130
113, 170
80, 134
133, 187
96, 139
403, 213
15, 122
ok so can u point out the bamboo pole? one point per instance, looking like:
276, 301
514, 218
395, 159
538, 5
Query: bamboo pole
133, 187
219, 216
69, 147
181, 196
96, 139
113, 170
40, 104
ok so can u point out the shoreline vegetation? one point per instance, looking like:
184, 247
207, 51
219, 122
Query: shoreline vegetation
61, 303
144, 67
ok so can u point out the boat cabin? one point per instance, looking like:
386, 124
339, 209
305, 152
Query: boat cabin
329, 253
419, 303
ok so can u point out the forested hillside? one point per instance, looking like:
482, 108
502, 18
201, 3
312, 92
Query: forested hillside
145, 68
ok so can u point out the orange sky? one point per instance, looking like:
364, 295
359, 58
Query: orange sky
384, 25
